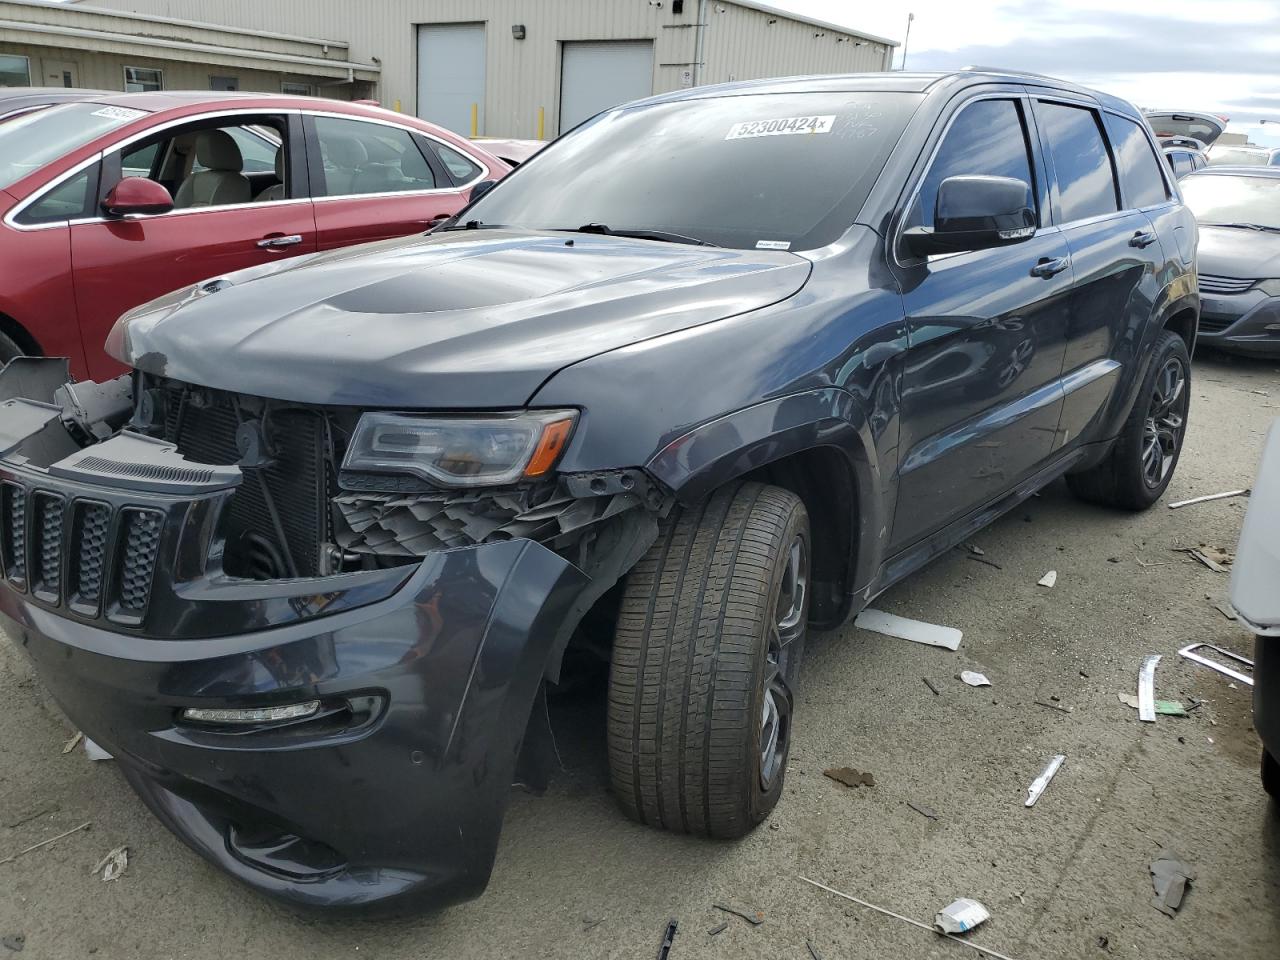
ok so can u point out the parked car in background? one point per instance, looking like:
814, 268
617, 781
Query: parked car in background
1238, 210
1204, 128
1243, 155
1183, 154
364, 498
15, 101
513, 152
112, 201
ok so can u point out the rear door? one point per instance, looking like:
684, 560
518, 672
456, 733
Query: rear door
980, 398
119, 264
1115, 250
372, 180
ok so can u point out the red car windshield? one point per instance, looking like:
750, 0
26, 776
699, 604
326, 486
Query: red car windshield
31, 140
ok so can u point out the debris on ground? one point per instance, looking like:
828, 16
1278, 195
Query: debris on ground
1215, 558
960, 916
1225, 608
32, 814
974, 679
813, 951
45, 843
1211, 496
71, 744
849, 777
1048, 580
95, 752
1169, 877
1192, 652
590, 923
923, 810
718, 929
915, 923
976, 550
932, 686
113, 864
14, 942
1165, 708
668, 937
917, 631
755, 919
1041, 782
989, 563
1052, 706
1147, 688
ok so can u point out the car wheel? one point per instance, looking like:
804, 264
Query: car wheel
1270, 774
8, 350
706, 650
1141, 463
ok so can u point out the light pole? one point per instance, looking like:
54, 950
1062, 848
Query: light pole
906, 39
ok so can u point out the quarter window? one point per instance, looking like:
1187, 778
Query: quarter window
460, 167
1140, 174
988, 138
362, 157
15, 71
142, 79
67, 201
1086, 182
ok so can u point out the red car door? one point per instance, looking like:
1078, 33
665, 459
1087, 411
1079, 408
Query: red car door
226, 217
373, 180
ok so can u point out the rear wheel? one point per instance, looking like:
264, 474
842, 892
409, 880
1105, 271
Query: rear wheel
1140, 465
706, 650
8, 350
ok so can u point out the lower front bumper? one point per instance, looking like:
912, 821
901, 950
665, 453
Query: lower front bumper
1248, 323
394, 796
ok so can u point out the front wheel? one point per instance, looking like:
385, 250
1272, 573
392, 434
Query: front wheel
706, 650
1271, 774
1140, 465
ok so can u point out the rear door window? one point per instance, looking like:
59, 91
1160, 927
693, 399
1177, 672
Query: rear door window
987, 138
1086, 181
1141, 179
360, 157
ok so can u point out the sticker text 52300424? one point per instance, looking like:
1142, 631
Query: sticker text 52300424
780, 127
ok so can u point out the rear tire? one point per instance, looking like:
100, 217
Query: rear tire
1140, 465
706, 650
8, 350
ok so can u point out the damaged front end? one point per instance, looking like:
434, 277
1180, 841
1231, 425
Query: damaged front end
319, 675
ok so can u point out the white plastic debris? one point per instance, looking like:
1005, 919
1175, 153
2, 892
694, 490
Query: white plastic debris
95, 752
974, 679
1038, 785
917, 631
1048, 580
1208, 497
113, 864
961, 915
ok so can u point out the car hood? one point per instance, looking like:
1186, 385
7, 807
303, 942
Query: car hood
460, 319
1236, 252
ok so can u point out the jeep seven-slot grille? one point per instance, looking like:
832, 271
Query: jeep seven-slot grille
64, 551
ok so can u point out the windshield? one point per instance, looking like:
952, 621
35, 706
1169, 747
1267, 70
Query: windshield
31, 140
1249, 156
1223, 199
773, 171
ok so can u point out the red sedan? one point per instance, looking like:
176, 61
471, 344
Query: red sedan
113, 201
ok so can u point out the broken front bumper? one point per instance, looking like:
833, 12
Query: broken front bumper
392, 795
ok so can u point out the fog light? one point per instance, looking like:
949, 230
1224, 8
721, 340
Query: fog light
293, 711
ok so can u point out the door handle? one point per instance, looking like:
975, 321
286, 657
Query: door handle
1048, 267
1142, 239
274, 243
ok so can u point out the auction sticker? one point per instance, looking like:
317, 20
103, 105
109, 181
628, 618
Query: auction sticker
781, 127
119, 113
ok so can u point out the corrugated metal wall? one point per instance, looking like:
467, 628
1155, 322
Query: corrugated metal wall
523, 76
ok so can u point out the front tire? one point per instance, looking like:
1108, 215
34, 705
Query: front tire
708, 641
1271, 774
8, 350
1140, 465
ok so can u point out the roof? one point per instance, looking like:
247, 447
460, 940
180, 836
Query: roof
801, 18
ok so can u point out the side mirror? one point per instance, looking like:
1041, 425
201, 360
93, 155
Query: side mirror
136, 197
481, 188
975, 213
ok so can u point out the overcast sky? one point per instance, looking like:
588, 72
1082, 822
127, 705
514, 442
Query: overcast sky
1221, 56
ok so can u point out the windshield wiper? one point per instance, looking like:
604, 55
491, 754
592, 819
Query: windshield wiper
1261, 227
638, 233
471, 225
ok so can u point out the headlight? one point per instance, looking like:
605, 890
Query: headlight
462, 451
1270, 287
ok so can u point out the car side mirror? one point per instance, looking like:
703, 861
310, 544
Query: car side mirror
975, 213
136, 197
481, 188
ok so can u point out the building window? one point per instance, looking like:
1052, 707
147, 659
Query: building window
142, 79
296, 88
14, 71
224, 83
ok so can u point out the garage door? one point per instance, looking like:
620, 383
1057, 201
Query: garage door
451, 75
595, 76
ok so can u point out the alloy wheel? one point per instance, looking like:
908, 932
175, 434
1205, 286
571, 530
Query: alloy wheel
1165, 423
788, 625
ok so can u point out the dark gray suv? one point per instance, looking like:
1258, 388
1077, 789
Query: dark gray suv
714, 367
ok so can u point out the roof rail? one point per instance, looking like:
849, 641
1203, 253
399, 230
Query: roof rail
971, 68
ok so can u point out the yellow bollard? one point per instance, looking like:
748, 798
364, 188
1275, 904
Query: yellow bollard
475, 120
398, 110
542, 121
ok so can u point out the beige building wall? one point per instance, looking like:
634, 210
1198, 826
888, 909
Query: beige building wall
522, 77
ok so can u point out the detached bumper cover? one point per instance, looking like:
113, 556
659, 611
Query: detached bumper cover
393, 796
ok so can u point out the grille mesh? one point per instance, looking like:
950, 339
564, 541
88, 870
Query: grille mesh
93, 521
1220, 285
48, 554
15, 533
137, 567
